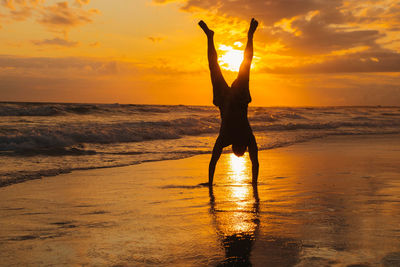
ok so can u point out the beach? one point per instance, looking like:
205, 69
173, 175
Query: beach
332, 201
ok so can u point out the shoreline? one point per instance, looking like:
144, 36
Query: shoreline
38, 175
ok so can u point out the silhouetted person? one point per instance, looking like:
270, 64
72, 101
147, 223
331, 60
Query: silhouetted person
232, 103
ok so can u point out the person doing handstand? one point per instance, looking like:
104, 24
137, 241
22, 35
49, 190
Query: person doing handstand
232, 103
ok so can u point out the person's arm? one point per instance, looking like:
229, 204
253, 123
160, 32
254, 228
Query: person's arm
253, 152
216, 153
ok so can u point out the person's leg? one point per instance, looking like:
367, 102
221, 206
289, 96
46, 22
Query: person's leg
242, 81
244, 71
253, 153
218, 81
216, 153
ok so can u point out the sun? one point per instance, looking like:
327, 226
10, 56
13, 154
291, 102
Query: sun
230, 58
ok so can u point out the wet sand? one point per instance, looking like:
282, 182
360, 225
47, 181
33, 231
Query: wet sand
329, 202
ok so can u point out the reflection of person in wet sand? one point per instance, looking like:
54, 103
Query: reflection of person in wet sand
232, 102
237, 227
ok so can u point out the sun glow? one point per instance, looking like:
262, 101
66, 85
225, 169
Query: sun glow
230, 58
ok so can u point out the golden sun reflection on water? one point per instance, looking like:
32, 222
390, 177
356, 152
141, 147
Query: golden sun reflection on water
238, 168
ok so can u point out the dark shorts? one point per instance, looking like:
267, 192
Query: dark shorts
243, 138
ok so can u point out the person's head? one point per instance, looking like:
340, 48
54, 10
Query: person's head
238, 150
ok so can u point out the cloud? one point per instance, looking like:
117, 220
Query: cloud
267, 11
60, 16
62, 67
81, 2
15, 5
84, 79
350, 63
310, 35
82, 67
316, 36
56, 42
92, 79
94, 44
21, 14
155, 39
64, 16
18, 10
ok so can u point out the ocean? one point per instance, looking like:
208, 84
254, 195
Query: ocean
47, 139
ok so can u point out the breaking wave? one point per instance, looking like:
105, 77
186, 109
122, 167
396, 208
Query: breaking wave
45, 139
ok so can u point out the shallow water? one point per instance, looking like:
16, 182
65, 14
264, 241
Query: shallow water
329, 202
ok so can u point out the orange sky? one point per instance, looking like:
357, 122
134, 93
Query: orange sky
307, 52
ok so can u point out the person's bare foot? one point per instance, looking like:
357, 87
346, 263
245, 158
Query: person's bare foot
253, 26
205, 28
